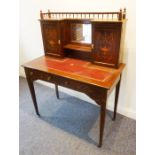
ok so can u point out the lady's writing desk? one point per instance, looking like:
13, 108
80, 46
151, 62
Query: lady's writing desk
83, 52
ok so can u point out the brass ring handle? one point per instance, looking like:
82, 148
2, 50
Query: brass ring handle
59, 41
92, 46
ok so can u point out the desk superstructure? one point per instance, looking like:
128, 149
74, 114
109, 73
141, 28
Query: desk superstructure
93, 68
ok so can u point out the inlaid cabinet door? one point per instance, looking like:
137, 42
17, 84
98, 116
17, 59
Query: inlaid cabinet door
106, 43
51, 37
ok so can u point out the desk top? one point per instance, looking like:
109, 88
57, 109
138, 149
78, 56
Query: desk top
78, 70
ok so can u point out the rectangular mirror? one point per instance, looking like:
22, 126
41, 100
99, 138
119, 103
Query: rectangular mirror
81, 33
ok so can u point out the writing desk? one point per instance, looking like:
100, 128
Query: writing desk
95, 81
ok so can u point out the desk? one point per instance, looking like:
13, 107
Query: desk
95, 81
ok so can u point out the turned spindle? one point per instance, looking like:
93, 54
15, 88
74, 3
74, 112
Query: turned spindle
49, 14
124, 13
120, 15
41, 14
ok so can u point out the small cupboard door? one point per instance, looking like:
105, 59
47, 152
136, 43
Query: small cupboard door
51, 38
106, 43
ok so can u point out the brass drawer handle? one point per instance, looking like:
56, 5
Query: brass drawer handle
66, 82
49, 78
59, 41
31, 73
92, 46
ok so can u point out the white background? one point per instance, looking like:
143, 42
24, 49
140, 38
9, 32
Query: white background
31, 42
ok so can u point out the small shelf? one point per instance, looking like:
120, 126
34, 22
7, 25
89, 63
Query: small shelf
78, 47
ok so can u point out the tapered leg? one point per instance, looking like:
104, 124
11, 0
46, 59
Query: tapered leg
57, 91
102, 122
32, 91
116, 98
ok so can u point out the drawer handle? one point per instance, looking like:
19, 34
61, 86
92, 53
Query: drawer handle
92, 46
66, 82
59, 42
49, 78
31, 73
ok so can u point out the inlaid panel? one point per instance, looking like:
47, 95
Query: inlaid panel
51, 37
106, 41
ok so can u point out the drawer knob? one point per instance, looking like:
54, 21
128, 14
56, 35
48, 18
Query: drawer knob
92, 46
49, 78
31, 73
59, 42
66, 82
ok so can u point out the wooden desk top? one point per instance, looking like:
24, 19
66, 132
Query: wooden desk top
78, 70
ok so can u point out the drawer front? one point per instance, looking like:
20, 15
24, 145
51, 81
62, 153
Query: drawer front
92, 91
38, 75
62, 81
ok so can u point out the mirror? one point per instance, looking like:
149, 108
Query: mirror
81, 33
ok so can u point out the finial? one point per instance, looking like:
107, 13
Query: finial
120, 14
41, 14
124, 13
49, 14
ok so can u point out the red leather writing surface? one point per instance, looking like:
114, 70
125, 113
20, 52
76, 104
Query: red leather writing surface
78, 70
77, 67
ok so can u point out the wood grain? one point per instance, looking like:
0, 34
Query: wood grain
106, 76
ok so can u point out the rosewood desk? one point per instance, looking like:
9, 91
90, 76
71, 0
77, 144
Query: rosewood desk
95, 81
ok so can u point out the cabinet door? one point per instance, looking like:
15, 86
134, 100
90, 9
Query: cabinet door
106, 43
51, 38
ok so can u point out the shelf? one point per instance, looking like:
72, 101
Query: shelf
78, 47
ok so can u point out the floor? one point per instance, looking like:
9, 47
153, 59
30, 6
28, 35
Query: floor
69, 126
